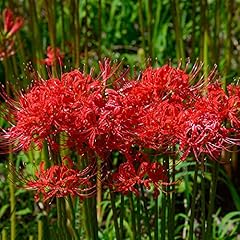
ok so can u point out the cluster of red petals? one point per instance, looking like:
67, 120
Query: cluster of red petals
11, 27
54, 56
166, 109
60, 181
132, 175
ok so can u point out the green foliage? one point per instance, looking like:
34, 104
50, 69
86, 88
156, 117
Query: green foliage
131, 31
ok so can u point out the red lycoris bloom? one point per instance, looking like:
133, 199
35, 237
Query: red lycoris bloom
11, 26
54, 56
33, 117
60, 181
129, 177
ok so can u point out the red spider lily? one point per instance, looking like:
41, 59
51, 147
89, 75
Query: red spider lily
54, 56
201, 128
11, 26
129, 177
60, 181
32, 117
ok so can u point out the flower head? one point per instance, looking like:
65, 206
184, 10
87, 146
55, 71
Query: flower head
60, 181
11, 25
54, 56
131, 175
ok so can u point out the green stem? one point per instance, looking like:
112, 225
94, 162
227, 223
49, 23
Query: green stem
4, 234
86, 38
99, 28
94, 221
176, 13
122, 216
133, 215
50, 7
139, 219
62, 26
203, 200
172, 205
163, 217
71, 218
212, 200
40, 230
77, 35
228, 42
150, 28
86, 220
156, 220
141, 21
146, 217
11, 165
193, 203
115, 217
216, 31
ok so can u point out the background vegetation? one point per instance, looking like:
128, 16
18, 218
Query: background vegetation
137, 33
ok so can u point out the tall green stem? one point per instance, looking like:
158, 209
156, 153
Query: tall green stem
122, 216
115, 217
133, 215
146, 217
10, 169
40, 230
193, 203
203, 200
156, 220
208, 234
176, 14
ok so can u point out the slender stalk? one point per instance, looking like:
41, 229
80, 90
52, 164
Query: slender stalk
208, 234
40, 230
77, 35
163, 218
172, 205
122, 216
37, 49
228, 42
203, 200
11, 165
94, 221
216, 30
50, 7
133, 215
193, 203
86, 220
146, 217
150, 48
99, 189
176, 13
141, 21
62, 26
115, 217
86, 38
156, 237
4, 234
99, 28
193, 29
71, 218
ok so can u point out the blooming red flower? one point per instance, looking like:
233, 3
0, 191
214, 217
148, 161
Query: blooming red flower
54, 56
131, 175
11, 25
60, 181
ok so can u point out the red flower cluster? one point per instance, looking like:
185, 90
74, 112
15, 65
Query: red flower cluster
61, 181
165, 108
54, 56
133, 174
11, 26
